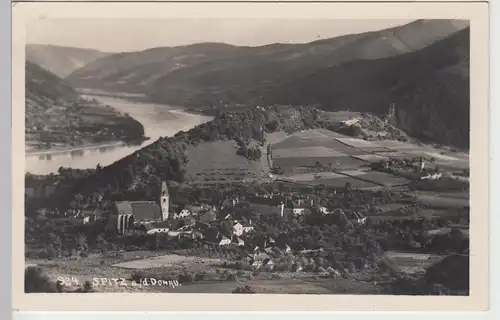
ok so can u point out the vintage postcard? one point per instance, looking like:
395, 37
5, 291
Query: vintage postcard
277, 156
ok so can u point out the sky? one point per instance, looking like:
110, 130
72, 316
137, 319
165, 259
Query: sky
123, 35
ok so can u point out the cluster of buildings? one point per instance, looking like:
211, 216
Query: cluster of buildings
150, 217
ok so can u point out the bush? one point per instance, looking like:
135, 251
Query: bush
87, 287
199, 277
36, 281
231, 277
240, 273
245, 289
185, 278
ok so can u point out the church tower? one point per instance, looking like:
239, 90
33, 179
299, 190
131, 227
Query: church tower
164, 200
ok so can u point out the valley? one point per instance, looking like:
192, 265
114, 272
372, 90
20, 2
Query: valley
338, 166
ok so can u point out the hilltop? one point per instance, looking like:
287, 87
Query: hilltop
57, 116
61, 60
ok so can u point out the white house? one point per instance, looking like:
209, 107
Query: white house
298, 211
324, 210
238, 229
247, 229
183, 214
434, 176
240, 242
82, 220
225, 241
157, 230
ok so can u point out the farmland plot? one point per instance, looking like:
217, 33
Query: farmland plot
165, 261
409, 262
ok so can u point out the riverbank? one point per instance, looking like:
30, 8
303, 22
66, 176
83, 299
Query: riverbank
30, 152
156, 121
80, 124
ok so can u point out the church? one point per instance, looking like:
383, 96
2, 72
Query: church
129, 215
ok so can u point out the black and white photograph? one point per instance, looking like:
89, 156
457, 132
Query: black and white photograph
247, 156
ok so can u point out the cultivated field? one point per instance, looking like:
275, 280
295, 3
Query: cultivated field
168, 260
225, 166
284, 286
410, 263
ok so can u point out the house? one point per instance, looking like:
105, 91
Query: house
238, 229
238, 241
247, 228
93, 214
263, 261
298, 211
434, 176
183, 214
350, 122
267, 265
298, 207
198, 208
81, 220
225, 241
152, 228
324, 210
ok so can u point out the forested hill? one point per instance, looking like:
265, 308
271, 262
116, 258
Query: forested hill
139, 175
429, 87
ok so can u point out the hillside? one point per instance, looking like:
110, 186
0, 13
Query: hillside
57, 117
257, 72
61, 60
422, 67
136, 71
209, 73
232, 138
429, 87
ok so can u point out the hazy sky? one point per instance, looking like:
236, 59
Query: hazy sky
119, 35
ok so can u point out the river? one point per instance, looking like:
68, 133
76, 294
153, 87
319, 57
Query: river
158, 121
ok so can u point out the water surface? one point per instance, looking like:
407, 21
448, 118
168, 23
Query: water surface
158, 121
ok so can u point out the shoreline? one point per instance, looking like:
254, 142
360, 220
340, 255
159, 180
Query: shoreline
33, 152
50, 151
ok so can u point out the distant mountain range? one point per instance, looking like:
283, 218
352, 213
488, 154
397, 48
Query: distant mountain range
61, 60
214, 72
429, 89
422, 67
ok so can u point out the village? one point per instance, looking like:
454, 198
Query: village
259, 232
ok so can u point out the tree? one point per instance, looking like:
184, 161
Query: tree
87, 287
36, 281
